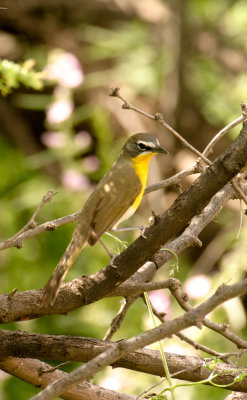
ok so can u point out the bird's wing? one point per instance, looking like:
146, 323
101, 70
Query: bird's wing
114, 197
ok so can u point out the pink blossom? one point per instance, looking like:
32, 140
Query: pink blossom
83, 140
91, 164
65, 69
160, 301
59, 111
197, 286
74, 180
54, 140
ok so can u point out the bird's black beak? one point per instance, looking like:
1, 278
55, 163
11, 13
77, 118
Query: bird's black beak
160, 149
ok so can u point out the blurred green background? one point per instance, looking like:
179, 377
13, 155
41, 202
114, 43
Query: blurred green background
186, 59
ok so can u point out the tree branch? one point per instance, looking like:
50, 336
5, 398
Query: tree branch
187, 205
30, 371
23, 305
18, 239
115, 92
31, 223
125, 347
175, 179
25, 233
69, 348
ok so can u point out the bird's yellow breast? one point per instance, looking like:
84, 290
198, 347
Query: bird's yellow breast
140, 164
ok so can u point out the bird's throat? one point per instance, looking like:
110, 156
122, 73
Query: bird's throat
141, 164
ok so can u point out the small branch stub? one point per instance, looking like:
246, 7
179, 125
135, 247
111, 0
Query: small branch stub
158, 117
114, 92
244, 109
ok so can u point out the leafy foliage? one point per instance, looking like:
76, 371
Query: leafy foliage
12, 75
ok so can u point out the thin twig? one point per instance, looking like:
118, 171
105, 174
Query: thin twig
118, 319
32, 223
222, 133
164, 380
175, 179
48, 370
222, 329
45, 227
115, 92
181, 336
25, 233
199, 346
238, 189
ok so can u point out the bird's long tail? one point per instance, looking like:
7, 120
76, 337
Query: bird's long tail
49, 293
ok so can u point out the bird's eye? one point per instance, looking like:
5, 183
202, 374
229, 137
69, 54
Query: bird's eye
142, 146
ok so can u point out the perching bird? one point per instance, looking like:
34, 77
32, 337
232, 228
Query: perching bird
115, 198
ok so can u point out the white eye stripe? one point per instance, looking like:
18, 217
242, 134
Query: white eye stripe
146, 144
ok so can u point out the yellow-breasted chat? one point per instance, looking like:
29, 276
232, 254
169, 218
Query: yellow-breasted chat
115, 198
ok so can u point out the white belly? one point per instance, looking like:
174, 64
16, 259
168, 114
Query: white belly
126, 215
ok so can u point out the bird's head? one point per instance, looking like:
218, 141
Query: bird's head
142, 144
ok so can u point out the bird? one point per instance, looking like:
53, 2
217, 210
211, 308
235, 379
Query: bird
115, 199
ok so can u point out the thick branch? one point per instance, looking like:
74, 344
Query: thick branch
236, 396
64, 348
125, 347
188, 204
23, 304
30, 371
